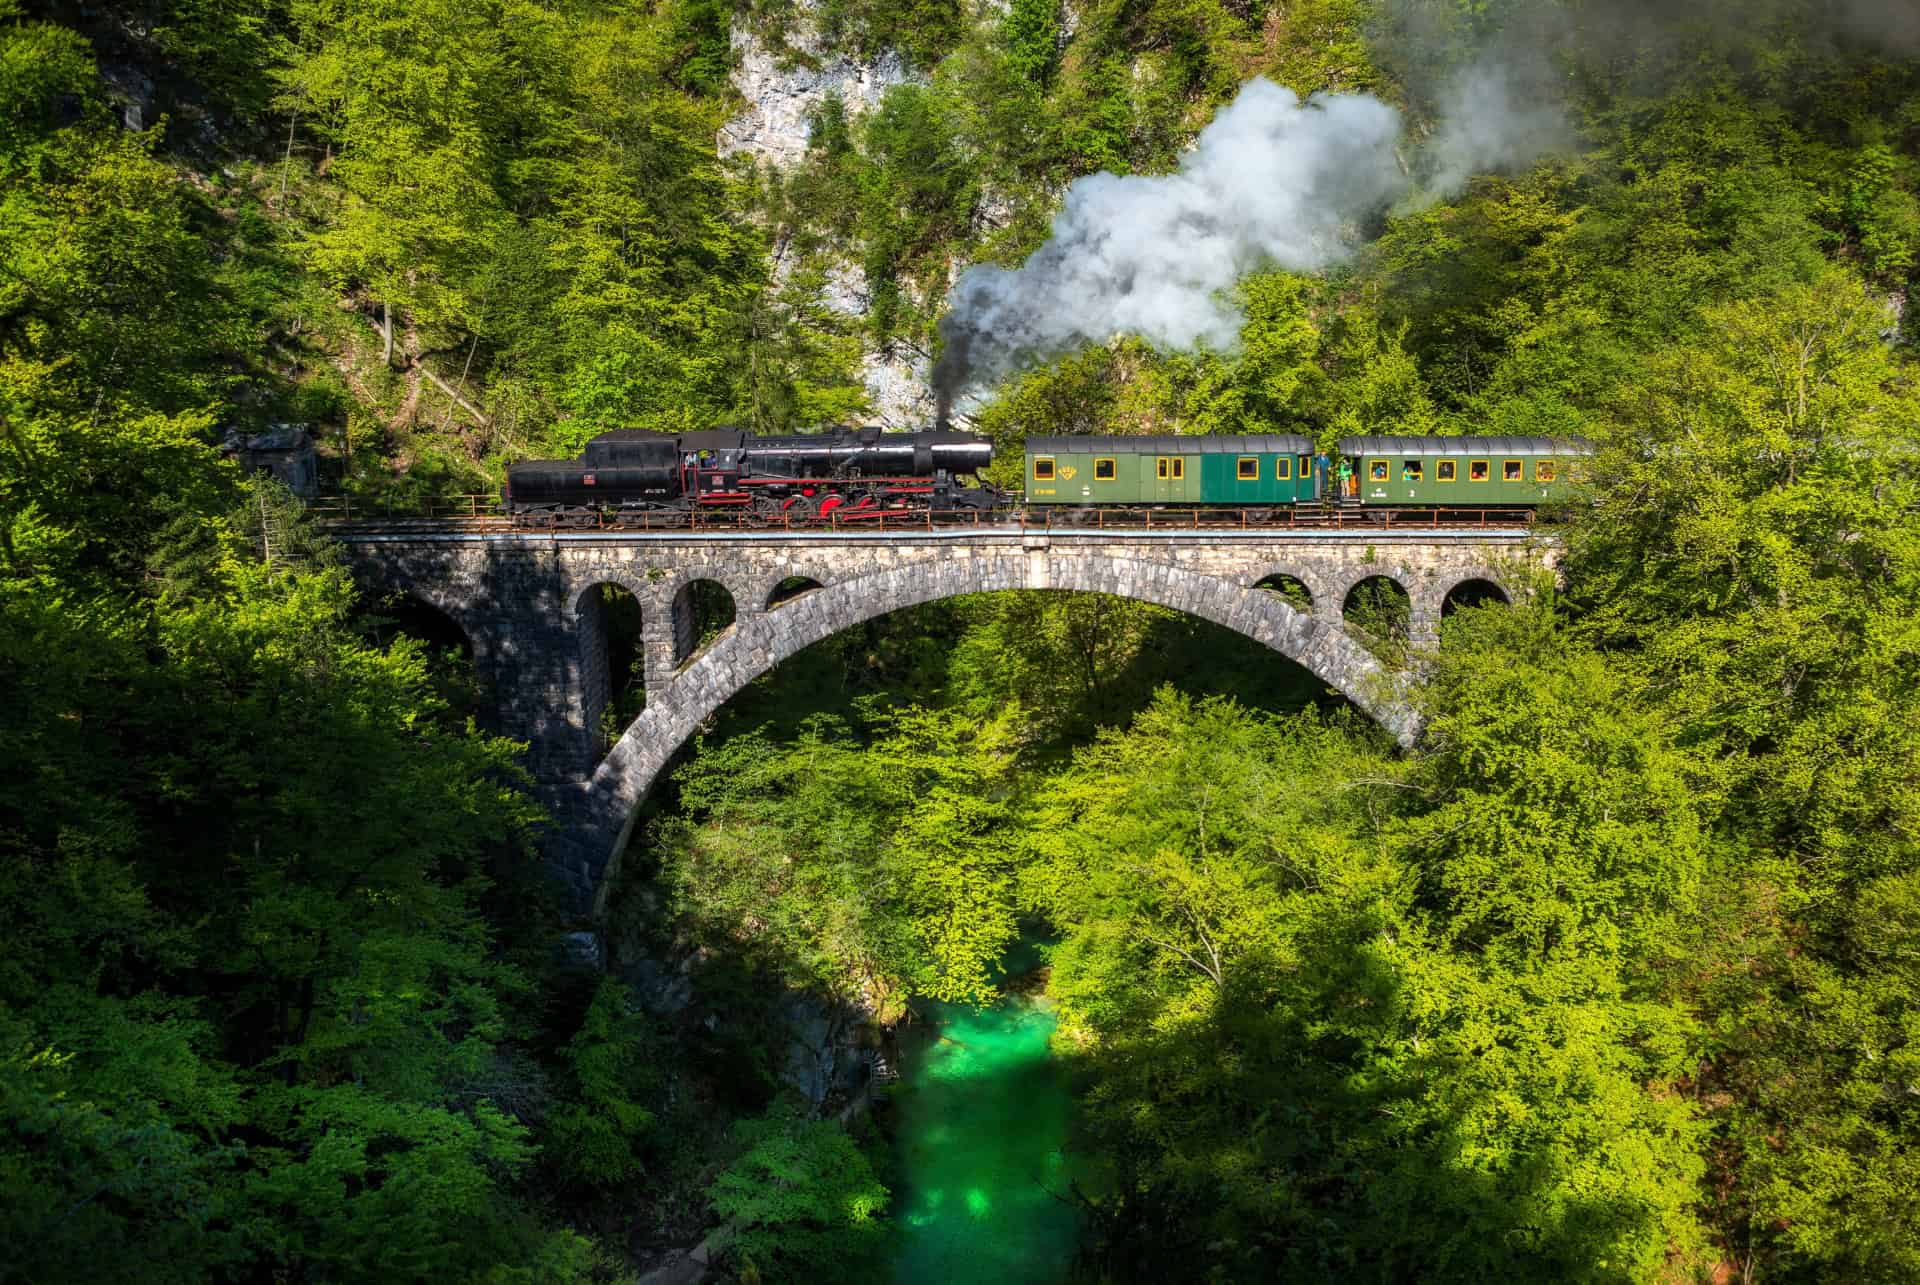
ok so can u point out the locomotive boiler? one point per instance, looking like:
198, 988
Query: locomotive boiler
843, 472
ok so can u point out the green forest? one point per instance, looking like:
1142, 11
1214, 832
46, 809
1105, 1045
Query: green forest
1615, 976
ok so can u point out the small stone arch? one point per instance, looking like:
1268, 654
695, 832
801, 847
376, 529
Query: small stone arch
703, 609
1474, 591
1380, 607
790, 588
591, 584
1291, 589
413, 614
609, 622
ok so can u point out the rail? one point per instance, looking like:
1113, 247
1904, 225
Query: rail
345, 508
482, 512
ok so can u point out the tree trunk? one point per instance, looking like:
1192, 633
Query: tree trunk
286, 162
454, 395
386, 335
453, 399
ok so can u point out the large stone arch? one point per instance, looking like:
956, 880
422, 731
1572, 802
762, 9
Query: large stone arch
596, 820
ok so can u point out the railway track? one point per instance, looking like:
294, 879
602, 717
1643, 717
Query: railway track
454, 518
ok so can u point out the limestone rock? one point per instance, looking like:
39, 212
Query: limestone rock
662, 988
896, 379
780, 98
581, 950
823, 1055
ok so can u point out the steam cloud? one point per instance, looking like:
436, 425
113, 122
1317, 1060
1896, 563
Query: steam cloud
1275, 182
1271, 182
1892, 24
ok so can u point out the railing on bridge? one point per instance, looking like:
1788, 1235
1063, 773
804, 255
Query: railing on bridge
485, 512
346, 508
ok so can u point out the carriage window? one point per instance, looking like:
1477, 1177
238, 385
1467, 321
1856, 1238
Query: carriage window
1043, 469
1513, 471
1413, 471
1306, 466
1477, 471
1105, 470
1160, 469
1543, 471
1377, 471
1282, 469
1179, 468
1445, 471
1248, 469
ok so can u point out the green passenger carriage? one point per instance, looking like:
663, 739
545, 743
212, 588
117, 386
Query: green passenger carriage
1469, 472
1230, 471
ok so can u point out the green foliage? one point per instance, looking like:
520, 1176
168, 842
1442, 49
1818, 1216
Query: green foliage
1754, 557
1297, 1067
596, 1136
1612, 978
1031, 30
365, 1189
924, 30
527, 185
872, 871
250, 1018
85, 1180
699, 32
801, 1202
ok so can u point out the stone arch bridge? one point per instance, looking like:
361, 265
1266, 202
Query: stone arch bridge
532, 605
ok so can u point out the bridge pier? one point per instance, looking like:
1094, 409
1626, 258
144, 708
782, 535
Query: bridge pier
534, 608
661, 638
1423, 617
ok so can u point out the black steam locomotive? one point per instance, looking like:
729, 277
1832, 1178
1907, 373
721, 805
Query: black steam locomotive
843, 473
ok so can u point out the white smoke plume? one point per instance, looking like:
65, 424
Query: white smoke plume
1499, 117
1892, 24
1271, 181
1275, 182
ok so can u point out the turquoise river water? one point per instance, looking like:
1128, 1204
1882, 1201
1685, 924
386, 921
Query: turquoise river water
980, 1122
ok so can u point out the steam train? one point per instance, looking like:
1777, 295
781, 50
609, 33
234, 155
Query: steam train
846, 474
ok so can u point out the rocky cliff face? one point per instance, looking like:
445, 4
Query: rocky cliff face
896, 376
782, 89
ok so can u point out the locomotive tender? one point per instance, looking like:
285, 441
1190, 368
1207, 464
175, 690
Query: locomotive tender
844, 474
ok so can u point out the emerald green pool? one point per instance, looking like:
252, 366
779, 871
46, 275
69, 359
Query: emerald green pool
981, 1115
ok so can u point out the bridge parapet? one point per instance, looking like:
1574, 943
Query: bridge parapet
531, 605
